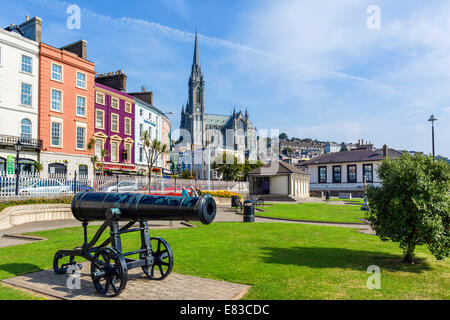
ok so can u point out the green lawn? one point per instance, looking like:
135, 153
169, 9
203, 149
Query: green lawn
314, 212
280, 261
356, 201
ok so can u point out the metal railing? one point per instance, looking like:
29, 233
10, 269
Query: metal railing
60, 185
26, 142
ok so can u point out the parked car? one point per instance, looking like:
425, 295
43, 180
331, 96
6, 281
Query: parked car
77, 186
124, 186
46, 187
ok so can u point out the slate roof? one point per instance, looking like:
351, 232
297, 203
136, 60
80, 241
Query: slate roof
283, 168
346, 156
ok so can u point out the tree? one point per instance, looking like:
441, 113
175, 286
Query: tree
38, 167
229, 171
233, 171
283, 136
412, 205
343, 148
153, 149
95, 159
247, 167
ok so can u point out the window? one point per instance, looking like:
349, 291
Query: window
83, 170
128, 107
114, 122
141, 112
100, 98
128, 150
56, 100
25, 95
99, 119
81, 106
141, 158
115, 103
27, 64
337, 174
141, 130
56, 134
368, 172
98, 148
322, 174
56, 72
128, 126
115, 151
81, 80
351, 173
81, 132
25, 130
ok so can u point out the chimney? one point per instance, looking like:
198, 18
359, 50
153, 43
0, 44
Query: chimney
146, 96
116, 80
32, 28
385, 151
79, 48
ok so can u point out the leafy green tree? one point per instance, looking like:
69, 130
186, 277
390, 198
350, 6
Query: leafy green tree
343, 148
38, 167
247, 167
283, 136
412, 205
229, 171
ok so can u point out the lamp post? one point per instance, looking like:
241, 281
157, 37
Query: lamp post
432, 120
18, 147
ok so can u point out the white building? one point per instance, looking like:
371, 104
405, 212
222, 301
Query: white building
332, 147
19, 81
147, 118
344, 172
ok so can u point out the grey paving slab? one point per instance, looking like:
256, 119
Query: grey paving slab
174, 287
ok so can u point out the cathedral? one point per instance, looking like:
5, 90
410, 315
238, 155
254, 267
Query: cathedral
227, 133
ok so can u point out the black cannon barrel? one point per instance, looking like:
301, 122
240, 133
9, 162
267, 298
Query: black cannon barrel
92, 206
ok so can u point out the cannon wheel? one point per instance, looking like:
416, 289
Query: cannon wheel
109, 272
61, 267
162, 257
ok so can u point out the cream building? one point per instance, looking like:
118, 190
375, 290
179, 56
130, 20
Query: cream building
279, 181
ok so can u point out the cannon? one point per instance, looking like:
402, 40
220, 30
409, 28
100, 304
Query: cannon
109, 264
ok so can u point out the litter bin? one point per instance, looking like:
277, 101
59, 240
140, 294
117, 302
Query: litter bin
249, 211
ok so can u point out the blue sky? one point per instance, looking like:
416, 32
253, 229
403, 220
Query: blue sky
308, 68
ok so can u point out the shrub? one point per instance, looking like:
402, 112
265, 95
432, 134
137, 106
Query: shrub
222, 194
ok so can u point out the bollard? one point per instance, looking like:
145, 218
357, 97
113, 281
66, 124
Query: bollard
249, 211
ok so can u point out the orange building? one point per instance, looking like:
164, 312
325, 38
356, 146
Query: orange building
66, 109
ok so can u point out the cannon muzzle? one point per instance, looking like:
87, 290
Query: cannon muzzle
92, 206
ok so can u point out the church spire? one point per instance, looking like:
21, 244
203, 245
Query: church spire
196, 73
196, 61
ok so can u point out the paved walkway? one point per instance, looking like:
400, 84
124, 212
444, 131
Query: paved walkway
174, 287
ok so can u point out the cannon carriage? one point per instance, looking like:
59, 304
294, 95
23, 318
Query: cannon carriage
109, 264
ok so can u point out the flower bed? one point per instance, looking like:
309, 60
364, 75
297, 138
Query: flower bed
222, 194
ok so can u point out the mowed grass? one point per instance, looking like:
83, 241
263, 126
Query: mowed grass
356, 201
279, 261
313, 212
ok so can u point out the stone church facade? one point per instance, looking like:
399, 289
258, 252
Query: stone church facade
225, 133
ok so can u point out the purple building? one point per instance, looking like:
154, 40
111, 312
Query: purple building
114, 123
